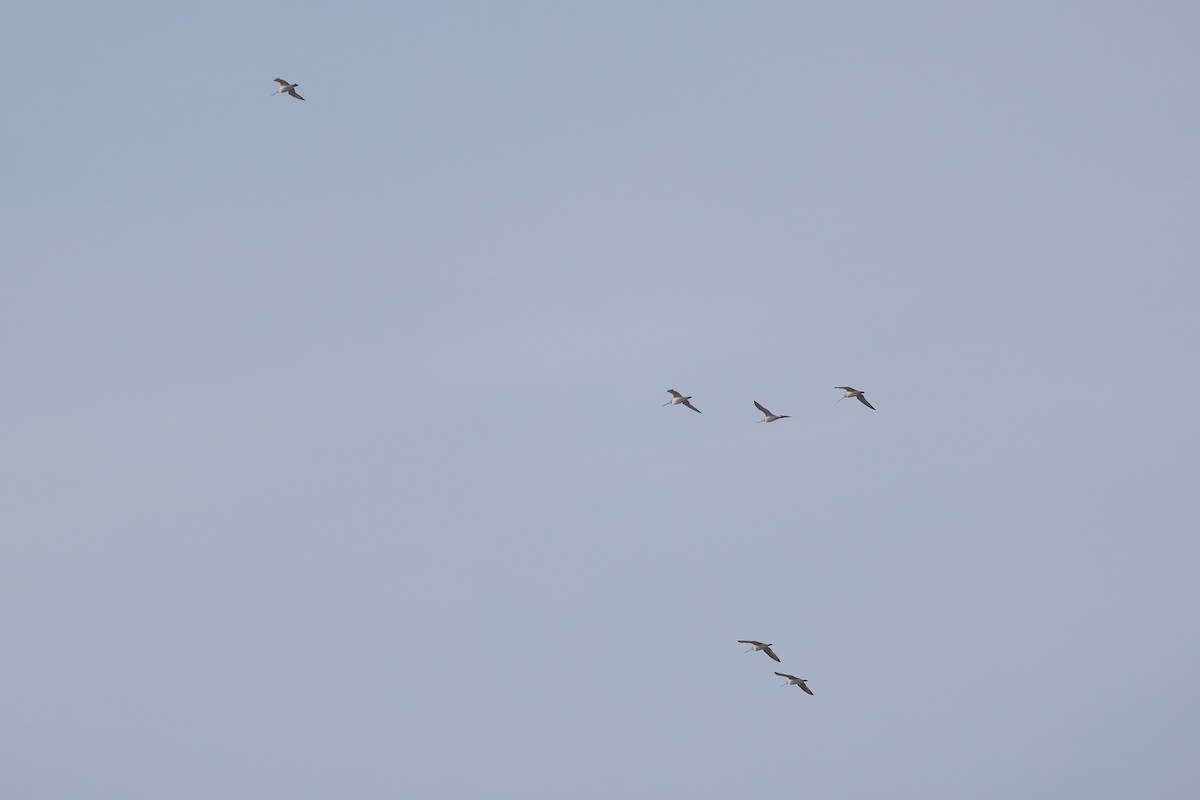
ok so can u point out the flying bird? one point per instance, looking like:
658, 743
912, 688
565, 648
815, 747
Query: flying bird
289, 88
767, 415
852, 392
792, 680
755, 646
678, 399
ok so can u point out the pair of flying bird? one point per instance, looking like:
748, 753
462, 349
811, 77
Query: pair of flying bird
678, 399
792, 680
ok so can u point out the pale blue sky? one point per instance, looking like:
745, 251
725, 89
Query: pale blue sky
333, 457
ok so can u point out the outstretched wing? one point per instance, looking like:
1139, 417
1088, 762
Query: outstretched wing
771, 653
748, 641
282, 82
846, 388
785, 675
863, 400
804, 686
292, 92
762, 408
673, 393
688, 403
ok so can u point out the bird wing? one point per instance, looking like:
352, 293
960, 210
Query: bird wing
863, 400
282, 82
688, 403
804, 686
292, 92
846, 388
762, 408
673, 393
785, 675
771, 653
748, 641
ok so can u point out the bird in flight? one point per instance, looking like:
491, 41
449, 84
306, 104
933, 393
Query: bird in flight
767, 415
289, 88
850, 391
792, 680
678, 399
754, 646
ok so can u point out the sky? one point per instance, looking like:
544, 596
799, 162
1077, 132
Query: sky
334, 461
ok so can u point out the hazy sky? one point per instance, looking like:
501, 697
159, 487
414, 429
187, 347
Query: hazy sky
333, 455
